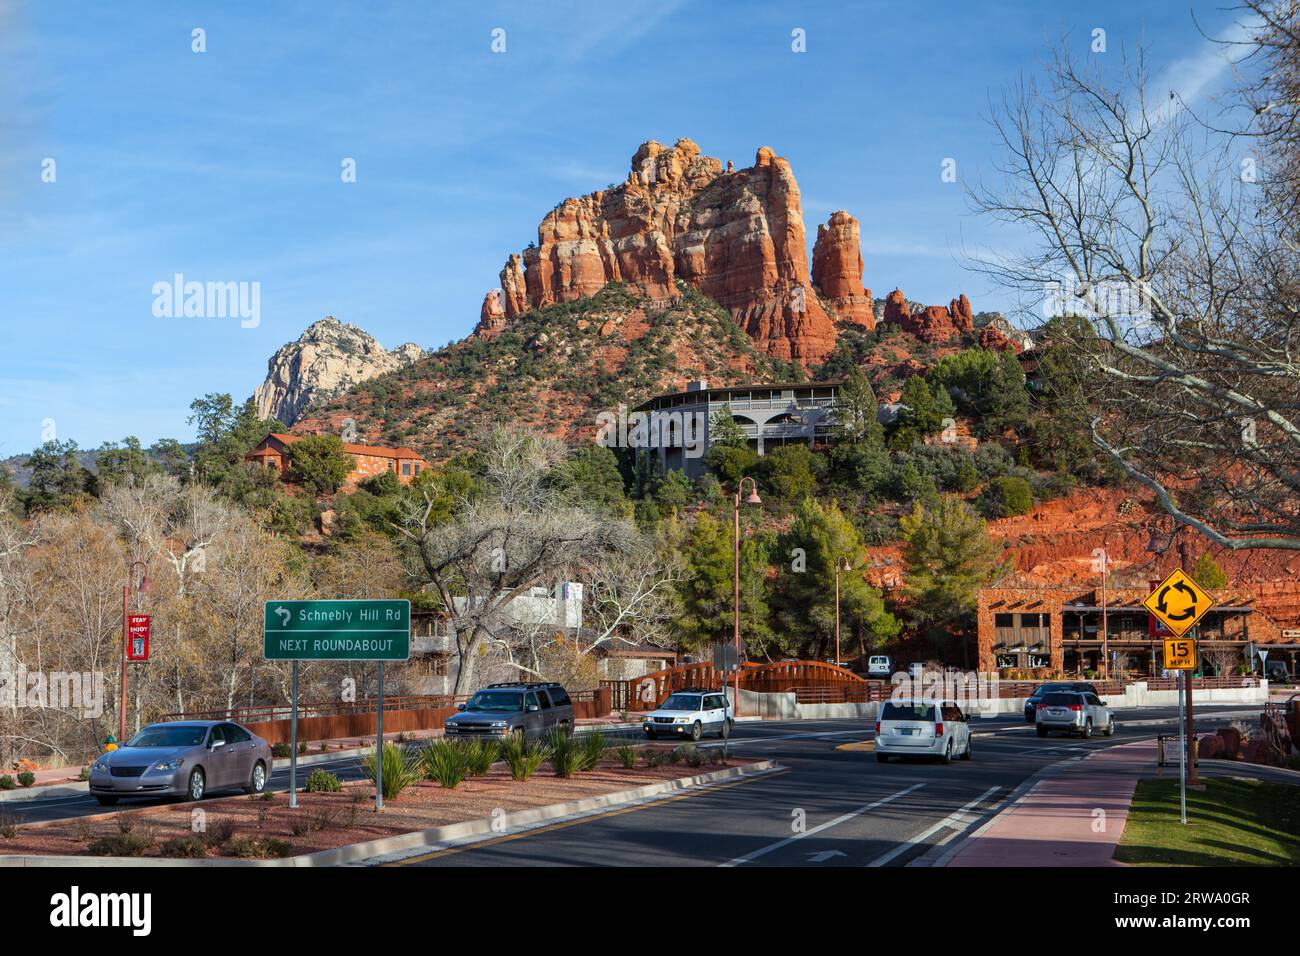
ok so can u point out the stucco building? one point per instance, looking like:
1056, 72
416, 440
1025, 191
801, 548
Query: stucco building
368, 460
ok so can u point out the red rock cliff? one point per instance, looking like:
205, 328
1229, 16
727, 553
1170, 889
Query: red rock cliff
837, 269
737, 236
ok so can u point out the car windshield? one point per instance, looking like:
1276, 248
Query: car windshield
1048, 688
503, 701
681, 702
894, 711
169, 735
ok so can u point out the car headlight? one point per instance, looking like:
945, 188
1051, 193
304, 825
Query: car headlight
101, 763
166, 765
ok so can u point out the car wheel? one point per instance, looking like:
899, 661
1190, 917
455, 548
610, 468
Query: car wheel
1042, 731
882, 758
966, 755
697, 731
198, 785
947, 752
1110, 728
1087, 729
725, 732
651, 734
106, 801
257, 781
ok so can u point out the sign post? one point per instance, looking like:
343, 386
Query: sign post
1179, 603
336, 631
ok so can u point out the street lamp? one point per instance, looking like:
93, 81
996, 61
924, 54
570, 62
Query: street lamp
753, 499
846, 568
139, 585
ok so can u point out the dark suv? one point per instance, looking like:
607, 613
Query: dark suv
530, 709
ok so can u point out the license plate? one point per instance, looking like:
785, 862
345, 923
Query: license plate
907, 731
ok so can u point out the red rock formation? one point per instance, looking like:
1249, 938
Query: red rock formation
962, 317
837, 270
934, 323
991, 337
491, 317
738, 238
896, 312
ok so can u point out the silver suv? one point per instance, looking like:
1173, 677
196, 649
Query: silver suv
1073, 712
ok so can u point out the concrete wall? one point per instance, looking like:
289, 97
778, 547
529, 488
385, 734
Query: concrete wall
784, 707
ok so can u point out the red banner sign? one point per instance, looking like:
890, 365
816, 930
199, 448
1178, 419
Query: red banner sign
137, 637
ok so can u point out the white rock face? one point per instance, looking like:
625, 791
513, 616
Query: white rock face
327, 359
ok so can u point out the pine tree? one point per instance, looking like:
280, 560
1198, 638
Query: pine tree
1208, 574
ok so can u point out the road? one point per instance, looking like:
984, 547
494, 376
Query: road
850, 809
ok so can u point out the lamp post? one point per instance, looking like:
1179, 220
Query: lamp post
846, 568
753, 499
139, 585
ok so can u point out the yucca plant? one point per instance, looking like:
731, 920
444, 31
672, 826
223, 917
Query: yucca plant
521, 757
480, 755
445, 761
591, 749
399, 771
565, 752
626, 756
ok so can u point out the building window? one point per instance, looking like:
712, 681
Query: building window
1002, 620
406, 469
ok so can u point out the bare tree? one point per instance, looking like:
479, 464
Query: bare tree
520, 532
1150, 224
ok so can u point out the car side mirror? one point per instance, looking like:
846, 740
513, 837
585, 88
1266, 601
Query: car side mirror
1104, 704
460, 706
533, 708
215, 744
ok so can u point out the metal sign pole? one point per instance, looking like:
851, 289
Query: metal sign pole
379, 745
293, 745
1182, 752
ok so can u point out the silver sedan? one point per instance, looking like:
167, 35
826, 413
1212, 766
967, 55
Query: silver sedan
184, 759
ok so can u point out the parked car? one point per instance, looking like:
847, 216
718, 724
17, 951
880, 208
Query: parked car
1275, 672
879, 665
1031, 704
691, 713
922, 729
183, 759
1073, 712
519, 707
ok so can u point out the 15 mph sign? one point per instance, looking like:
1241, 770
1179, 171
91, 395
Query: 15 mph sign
1178, 603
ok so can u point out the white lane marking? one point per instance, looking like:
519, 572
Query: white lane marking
955, 820
763, 851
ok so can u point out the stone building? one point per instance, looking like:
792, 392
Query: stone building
1059, 628
368, 460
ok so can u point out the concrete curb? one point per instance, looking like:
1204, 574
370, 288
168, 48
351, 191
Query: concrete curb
357, 852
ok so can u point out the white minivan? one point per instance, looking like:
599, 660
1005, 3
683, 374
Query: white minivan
922, 728
879, 665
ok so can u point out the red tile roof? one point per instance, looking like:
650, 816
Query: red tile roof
374, 451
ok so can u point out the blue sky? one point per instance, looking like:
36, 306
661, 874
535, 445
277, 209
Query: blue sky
225, 165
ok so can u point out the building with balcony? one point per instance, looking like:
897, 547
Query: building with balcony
769, 415
1060, 628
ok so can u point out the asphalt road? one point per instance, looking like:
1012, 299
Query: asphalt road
850, 809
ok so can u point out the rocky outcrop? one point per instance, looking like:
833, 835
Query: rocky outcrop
837, 270
930, 323
993, 338
327, 359
491, 317
737, 236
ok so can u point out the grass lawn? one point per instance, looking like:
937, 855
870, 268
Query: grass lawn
1229, 823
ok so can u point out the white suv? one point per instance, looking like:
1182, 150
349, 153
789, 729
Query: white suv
922, 728
691, 714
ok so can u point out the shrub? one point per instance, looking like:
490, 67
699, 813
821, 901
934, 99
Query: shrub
6, 782
121, 844
591, 748
84, 775
446, 762
565, 752
27, 778
280, 751
219, 832
522, 758
322, 781
680, 753
1006, 496
190, 847
480, 755
8, 824
253, 849
654, 757
626, 756
696, 757
399, 771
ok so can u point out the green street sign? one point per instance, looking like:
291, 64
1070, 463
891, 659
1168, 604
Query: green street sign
336, 630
